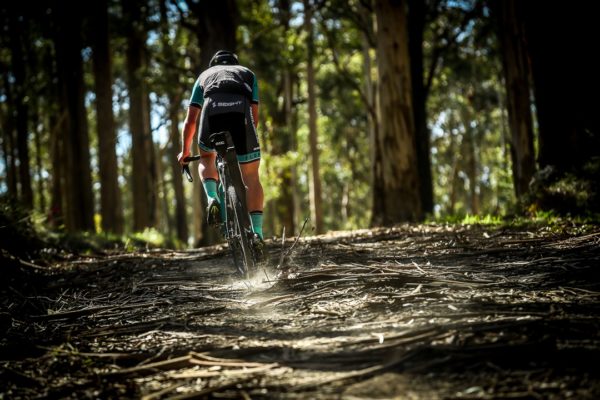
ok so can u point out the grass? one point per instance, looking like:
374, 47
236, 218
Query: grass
554, 222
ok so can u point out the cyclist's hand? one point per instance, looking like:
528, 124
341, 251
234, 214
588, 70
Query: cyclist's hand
182, 156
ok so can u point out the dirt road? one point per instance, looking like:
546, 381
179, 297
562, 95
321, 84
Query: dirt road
419, 312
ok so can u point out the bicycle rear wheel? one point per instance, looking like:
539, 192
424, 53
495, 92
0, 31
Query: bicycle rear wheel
239, 242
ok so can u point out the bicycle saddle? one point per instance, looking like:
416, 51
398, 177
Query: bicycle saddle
221, 141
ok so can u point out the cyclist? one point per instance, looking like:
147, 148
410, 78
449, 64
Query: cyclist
225, 98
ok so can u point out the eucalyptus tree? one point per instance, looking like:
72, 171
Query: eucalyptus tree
396, 186
565, 81
144, 174
513, 41
172, 86
75, 153
111, 207
316, 207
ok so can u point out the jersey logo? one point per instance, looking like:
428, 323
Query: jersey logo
226, 103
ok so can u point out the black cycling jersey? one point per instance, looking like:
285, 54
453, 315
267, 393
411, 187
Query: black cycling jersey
234, 79
225, 93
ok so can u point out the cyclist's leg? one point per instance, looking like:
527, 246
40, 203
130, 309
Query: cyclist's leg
206, 168
248, 150
208, 171
210, 180
255, 195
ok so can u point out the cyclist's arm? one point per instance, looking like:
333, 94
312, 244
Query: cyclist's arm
191, 120
189, 130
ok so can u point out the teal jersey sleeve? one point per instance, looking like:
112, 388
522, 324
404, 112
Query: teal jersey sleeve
255, 90
197, 98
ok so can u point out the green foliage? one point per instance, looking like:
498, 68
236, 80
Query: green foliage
573, 193
482, 219
470, 159
18, 234
150, 237
466, 115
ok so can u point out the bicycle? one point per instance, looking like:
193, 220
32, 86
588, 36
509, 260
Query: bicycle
237, 225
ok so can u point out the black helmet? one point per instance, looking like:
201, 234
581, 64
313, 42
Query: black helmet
223, 57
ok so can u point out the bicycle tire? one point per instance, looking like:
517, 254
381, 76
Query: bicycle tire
242, 251
238, 225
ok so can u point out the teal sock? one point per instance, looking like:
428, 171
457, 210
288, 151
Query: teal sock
210, 188
257, 222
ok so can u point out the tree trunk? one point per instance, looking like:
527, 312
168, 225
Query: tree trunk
79, 210
284, 141
396, 188
174, 93
217, 26
110, 195
165, 223
143, 184
566, 82
35, 119
516, 77
371, 100
180, 214
154, 172
5, 156
57, 127
19, 29
316, 209
416, 26
472, 166
8, 140
289, 201
454, 175
56, 213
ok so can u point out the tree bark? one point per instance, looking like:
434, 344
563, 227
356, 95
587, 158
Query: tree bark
111, 207
516, 77
566, 82
79, 206
35, 119
174, 95
217, 26
371, 100
143, 173
316, 209
396, 188
470, 151
416, 26
180, 214
289, 201
19, 29
8, 139
57, 127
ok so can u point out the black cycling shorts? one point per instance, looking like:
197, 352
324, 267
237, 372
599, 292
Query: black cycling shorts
230, 112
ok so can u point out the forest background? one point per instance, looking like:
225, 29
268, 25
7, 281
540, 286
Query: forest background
372, 113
